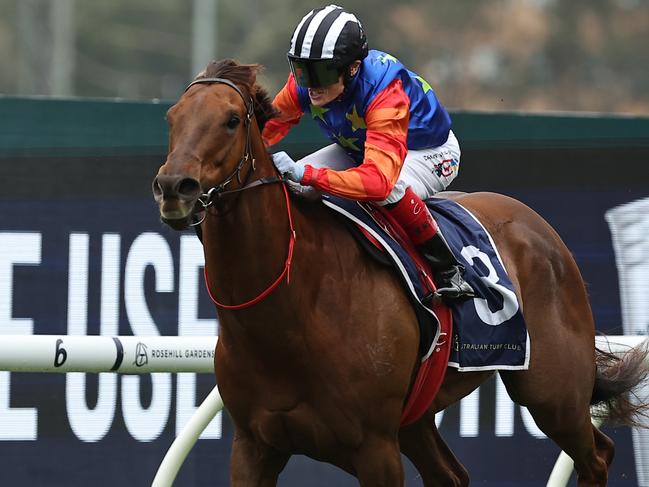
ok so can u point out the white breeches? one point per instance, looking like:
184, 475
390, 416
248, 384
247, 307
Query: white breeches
426, 171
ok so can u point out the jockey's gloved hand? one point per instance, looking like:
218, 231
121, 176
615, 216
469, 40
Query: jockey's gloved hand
288, 167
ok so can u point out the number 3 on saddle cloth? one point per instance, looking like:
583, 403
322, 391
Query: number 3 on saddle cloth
487, 332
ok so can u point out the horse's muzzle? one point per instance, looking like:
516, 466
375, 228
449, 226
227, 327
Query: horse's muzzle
176, 196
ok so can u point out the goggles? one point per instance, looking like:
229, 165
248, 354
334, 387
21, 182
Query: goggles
314, 74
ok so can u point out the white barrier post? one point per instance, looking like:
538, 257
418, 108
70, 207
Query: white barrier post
185, 441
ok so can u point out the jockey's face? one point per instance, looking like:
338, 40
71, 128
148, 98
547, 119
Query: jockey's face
325, 94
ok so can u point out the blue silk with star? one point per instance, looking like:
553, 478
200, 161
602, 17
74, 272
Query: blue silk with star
342, 120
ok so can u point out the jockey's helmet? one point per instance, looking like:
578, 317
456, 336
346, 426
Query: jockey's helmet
325, 42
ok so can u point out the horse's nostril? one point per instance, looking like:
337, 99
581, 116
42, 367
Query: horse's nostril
157, 190
189, 188
174, 186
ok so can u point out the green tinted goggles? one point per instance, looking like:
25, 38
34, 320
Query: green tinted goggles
314, 74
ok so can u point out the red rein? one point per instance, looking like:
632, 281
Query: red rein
286, 272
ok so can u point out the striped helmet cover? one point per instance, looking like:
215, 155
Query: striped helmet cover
329, 33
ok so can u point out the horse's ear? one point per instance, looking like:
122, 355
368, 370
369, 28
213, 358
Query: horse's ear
211, 66
216, 69
254, 70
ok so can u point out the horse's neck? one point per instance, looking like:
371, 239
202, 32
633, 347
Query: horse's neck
246, 246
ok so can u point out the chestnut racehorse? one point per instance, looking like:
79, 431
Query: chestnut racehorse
318, 343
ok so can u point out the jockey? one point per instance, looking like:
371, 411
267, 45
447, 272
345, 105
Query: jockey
393, 143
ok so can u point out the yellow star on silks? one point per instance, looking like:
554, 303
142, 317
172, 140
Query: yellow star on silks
347, 142
387, 57
356, 120
318, 112
424, 84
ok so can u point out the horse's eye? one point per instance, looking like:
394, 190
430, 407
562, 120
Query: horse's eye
233, 122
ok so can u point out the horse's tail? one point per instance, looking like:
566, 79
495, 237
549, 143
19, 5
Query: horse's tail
619, 375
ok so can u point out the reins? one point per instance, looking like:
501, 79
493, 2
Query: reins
215, 193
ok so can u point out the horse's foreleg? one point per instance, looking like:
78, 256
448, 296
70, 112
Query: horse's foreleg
436, 463
253, 464
377, 463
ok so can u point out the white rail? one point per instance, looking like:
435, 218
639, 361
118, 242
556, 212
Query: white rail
121, 354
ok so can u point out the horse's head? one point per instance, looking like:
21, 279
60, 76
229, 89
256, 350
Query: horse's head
210, 130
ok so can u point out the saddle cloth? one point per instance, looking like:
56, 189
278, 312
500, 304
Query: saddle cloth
489, 331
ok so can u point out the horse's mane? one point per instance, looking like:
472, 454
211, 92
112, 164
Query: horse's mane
245, 77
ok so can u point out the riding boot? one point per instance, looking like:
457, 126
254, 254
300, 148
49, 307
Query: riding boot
413, 215
446, 269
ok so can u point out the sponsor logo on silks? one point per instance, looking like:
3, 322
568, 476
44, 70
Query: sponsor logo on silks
446, 167
141, 355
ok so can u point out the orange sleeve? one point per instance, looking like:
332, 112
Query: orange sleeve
387, 120
287, 104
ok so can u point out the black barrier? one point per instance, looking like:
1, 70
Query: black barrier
82, 252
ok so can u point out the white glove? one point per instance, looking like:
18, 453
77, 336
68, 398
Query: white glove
288, 167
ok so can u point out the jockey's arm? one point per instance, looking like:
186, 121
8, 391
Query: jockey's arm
387, 120
290, 112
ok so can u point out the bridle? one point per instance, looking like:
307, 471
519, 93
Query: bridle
214, 194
